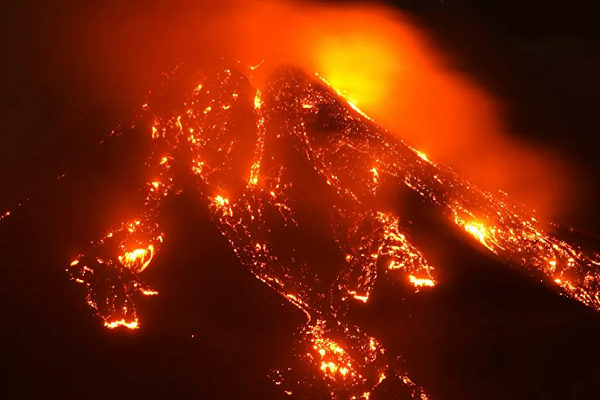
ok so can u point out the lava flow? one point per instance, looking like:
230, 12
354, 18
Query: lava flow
235, 142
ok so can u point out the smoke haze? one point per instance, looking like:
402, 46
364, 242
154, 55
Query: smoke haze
373, 54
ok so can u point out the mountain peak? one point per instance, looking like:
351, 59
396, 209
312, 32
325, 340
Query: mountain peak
287, 168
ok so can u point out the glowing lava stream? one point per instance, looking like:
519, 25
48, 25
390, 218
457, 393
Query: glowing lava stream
249, 191
505, 228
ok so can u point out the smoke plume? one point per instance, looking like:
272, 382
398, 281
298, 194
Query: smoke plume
373, 54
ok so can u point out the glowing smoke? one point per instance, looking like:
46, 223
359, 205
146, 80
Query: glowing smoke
373, 53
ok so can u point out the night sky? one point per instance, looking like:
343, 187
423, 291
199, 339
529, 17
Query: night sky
542, 60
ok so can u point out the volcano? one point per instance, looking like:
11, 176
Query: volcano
337, 219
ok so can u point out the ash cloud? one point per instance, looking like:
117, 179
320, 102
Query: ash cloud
376, 55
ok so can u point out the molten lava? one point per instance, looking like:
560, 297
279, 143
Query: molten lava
245, 180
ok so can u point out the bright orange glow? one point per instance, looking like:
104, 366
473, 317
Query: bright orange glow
257, 100
138, 259
6, 214
481, 233
254, 173
421, 282
227, 163
335, 362
423, 156
358, 297
255, 169
197, 167
122, 322
221, 201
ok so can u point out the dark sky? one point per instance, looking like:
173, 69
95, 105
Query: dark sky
542, 60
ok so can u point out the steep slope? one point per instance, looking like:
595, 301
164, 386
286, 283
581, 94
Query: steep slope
289, 174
